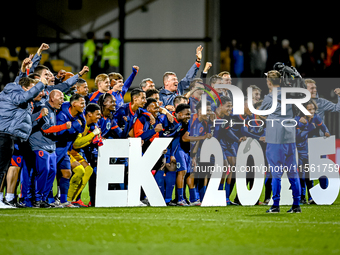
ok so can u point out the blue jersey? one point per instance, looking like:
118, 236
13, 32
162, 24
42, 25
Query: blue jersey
119, 95
126, 125
193, 101
109, 128
93, 97
240, 126
177, 143
224, 134
256, 126
198, 128
308, 130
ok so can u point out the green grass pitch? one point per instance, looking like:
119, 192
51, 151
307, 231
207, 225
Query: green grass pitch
171, 230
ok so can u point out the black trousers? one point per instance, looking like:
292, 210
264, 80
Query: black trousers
6, 153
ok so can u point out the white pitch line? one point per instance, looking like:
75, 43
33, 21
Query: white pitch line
169, 218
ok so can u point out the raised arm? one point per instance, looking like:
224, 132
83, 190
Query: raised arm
185, 82
66, 85
29, 95
129, 80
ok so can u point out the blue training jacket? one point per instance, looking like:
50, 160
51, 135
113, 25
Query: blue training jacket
167, 97
16, 108
44, 131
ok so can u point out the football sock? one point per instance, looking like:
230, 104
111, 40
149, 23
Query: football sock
170, 180
180, 194
220, 187
202, 192
86, 178
64, 185
79, 172
227, 191
9, 196
193, 195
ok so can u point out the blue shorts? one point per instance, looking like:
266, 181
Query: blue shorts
17, 158
228, 151
183, 161
17, 161
64, 162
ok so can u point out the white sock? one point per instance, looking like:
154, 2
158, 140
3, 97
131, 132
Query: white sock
1, 196
9, 196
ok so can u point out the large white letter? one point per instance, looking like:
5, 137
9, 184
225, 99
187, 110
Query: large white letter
213, 196
247, 148
111, 173
297, 101
140, 167
204, 104
323, 167
238, 98
262, 112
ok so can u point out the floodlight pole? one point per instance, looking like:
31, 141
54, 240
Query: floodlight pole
121, 5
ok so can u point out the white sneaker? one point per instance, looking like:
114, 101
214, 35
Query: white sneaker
4, 206
56, 205
68, 205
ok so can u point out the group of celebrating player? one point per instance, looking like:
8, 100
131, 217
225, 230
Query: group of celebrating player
52, 128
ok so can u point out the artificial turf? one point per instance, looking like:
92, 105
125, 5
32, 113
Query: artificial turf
171, 230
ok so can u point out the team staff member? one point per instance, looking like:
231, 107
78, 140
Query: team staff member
43, 144
15, 118
173, 88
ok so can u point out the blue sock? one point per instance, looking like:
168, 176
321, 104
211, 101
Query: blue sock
170, 180
227, 190
159, 177
180, 194
220, 187
202, 192
64, 185
197, 191
193, 195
